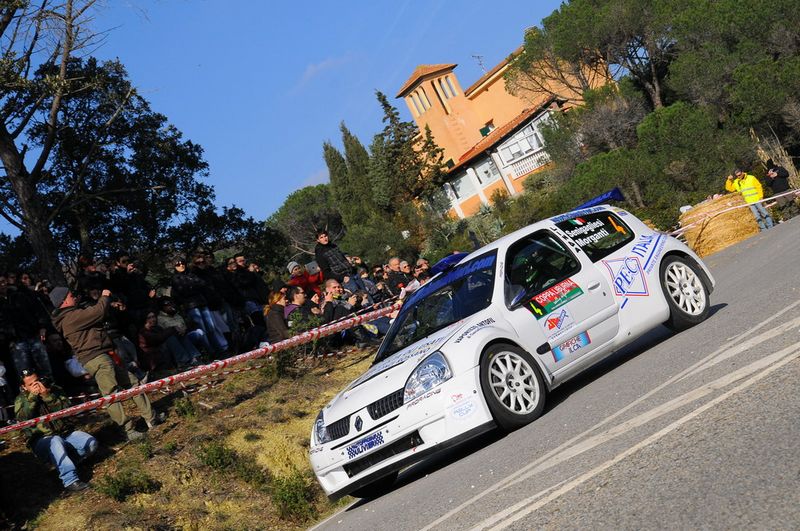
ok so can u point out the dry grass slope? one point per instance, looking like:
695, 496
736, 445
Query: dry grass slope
231, 457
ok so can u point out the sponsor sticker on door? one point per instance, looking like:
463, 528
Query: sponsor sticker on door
571, 345
557, 324
554, 297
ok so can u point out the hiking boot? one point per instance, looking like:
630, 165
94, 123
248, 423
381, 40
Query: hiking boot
158, 419
134, 435
77, 486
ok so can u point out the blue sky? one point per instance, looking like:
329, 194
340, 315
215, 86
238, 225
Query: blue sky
261, 85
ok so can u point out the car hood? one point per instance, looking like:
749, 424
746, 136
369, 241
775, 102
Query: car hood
387, 376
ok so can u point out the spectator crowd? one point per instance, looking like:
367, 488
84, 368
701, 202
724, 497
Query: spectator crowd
111, 329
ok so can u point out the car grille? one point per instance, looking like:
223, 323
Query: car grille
386, 405
339, 429
401, 445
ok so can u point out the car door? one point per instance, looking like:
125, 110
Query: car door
559, 303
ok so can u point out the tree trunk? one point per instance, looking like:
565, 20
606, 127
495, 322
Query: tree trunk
35, 228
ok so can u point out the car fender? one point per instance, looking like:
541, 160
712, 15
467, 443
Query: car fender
467, 346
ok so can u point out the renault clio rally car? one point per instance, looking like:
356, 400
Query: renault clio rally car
483, 343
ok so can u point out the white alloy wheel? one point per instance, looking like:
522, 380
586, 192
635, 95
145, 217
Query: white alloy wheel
685, 288
514, 383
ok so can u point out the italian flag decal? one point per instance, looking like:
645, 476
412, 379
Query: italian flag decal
577, 222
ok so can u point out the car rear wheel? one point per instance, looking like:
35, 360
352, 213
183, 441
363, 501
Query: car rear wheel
686, 292
512, 386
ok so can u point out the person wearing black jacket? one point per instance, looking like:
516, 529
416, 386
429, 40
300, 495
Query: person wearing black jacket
330, 259
189, 290
250, 286
23, 325
779, 183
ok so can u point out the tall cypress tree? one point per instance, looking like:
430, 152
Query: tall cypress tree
340, 183
357, 161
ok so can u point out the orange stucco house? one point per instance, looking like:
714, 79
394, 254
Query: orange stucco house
490, 138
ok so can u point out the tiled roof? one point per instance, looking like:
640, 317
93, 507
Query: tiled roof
498, 135
491, 72
422, 71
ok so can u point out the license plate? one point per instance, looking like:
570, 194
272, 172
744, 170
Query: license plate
367, 443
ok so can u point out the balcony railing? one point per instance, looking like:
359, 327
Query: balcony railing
531, 162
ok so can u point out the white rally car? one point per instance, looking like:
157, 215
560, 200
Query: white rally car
481, 344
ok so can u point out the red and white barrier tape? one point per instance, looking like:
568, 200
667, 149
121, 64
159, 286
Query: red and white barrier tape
710, 215
126, 394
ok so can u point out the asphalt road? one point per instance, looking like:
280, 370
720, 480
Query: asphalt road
677, 431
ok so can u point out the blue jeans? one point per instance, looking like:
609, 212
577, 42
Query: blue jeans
199, 340
29, 353
182, 350
762, 216
202, 316
56, 450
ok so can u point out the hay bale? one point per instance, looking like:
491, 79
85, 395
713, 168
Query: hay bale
715, 224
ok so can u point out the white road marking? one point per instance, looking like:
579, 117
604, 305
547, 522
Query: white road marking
524, 508
564, 446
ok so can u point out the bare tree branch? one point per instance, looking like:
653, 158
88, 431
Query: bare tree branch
52, 120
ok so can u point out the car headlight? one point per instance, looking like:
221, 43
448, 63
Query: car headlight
320, 433
433, 371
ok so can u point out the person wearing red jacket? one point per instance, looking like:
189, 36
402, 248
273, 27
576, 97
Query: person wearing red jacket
302, 278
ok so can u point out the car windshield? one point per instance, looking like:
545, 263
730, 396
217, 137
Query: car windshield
447, 298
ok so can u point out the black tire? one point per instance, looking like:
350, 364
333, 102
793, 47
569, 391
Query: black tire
379, 487
512, 386
685, 289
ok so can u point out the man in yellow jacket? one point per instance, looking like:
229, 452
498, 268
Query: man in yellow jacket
751, 190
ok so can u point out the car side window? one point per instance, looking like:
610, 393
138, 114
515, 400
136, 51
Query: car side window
599, 234
535, 263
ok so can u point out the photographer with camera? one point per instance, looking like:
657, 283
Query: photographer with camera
52, 441
84, 330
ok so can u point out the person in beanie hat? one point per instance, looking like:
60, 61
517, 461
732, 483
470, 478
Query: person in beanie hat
82, 327
300, 277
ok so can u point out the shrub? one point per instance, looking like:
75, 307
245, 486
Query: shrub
217, 456
126, 483
293, 495
146, 448
184, 407
171, 447
251, 436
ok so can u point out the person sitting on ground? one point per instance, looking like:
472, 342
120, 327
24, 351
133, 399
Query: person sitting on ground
277, 328
52, 441
82, 327
337, 302
169, 317
299, 306
189, 292
157, 342
299, 276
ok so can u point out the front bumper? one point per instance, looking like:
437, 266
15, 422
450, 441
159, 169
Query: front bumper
447, 415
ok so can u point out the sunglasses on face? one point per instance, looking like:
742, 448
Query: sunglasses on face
179, 264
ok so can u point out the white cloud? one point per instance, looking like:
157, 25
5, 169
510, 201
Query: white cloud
319, 177
315, 69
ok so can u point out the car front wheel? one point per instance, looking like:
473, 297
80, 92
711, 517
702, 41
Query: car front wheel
512, 385
686, 293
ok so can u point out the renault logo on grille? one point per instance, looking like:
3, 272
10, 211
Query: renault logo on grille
359, 423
